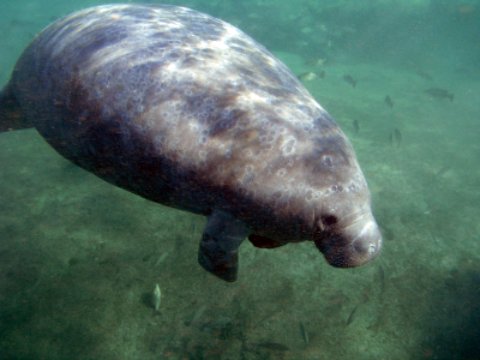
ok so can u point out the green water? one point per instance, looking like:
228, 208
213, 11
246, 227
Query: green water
79, 258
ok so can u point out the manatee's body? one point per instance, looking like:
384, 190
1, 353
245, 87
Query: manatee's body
188, 111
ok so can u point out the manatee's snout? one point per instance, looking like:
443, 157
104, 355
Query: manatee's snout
351, 245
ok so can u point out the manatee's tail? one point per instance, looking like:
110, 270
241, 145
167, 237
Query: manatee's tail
11, 114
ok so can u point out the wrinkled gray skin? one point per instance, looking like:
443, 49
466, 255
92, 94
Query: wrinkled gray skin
188, 111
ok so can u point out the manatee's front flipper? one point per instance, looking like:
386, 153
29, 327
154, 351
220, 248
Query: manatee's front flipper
11, 115
221, 238
264, 242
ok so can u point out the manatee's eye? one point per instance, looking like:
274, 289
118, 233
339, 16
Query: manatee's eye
329, 220
327, 160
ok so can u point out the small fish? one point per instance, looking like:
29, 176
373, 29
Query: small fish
316, 62
442, 171
439, 93
274, 346
395, 137
196, 315
307, 76
161, 259
388, 100
304, 333
381, 278
349, 79
466, 9
424, 75
157, 297
356, 126
322, 74
351, 317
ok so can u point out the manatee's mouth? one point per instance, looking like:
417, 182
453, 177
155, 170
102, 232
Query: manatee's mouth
352, 245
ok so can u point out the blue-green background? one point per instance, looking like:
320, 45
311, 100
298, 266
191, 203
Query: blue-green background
80, 258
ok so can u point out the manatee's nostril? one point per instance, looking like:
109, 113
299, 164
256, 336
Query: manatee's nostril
349, 246
369, 241
329, 220
361, 247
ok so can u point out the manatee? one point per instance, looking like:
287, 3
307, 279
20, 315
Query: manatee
187, 111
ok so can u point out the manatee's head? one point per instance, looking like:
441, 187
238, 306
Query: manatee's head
348, 242
345, 230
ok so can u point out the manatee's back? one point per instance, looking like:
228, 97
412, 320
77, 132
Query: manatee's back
144, 96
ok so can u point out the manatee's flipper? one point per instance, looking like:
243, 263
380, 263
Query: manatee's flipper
11, 116
221, 238
264, 242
